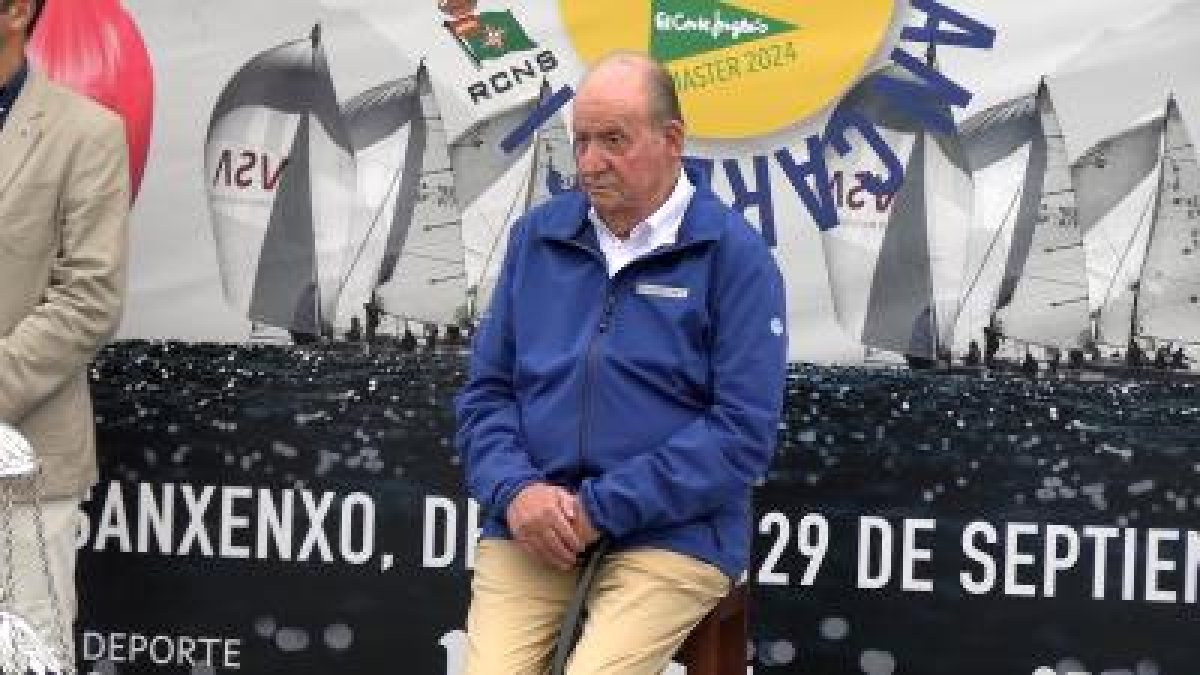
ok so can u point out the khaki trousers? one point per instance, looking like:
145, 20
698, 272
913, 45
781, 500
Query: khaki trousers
641, 606
62, 519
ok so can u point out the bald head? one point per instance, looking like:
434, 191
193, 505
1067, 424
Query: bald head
653, 83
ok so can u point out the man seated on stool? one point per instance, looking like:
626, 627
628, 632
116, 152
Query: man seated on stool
64, 202
625, 383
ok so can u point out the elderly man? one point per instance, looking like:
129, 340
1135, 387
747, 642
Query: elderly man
625, 385
64, 201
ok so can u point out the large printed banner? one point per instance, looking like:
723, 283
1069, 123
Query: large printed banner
309, 159
254, 521
325, 189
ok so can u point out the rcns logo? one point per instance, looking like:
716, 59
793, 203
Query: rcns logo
487, 35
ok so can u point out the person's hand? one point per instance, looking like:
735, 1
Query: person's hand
584, 529
542, 519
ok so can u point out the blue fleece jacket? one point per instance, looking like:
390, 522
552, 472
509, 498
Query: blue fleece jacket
654, 394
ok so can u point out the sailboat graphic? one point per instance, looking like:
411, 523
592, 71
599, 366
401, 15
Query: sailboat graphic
549, 168
423, 273
1043, 297
1153, 288
405, 180
1005, 151
1168, 301
280, 178
907, 297
321, 211
381, 122
1071, 256
1115, 182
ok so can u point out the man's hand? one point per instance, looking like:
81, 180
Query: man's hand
543, 520
584, 529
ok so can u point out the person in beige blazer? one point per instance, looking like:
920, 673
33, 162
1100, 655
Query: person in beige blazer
64, 205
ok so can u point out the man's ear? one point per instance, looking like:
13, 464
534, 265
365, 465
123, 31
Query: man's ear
675, 134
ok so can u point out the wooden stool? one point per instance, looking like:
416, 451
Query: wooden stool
717, 645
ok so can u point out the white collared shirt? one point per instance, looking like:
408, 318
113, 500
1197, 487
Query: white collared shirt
661, 228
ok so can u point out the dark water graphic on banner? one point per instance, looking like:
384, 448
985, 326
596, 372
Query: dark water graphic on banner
267, 509
300, 483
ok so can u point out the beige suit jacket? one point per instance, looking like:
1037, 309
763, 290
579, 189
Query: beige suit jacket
64, 207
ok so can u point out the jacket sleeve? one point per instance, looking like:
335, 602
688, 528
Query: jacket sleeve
82, 302
489, 435
725, 450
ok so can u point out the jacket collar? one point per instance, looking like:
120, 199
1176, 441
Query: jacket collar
10, 89
567, 217
23, 129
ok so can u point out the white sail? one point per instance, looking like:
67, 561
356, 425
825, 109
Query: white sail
1116, 188
553, 161
280, 180
333, 181
550, 169
481, 162
423, 276
896, 265
380, 121
1113, 167
998, 143
1048, 303
1168, 299
948, 207
478, 158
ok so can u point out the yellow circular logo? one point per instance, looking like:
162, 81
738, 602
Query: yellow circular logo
742, 67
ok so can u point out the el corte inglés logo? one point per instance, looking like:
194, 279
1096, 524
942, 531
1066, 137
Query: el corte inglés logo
746, 67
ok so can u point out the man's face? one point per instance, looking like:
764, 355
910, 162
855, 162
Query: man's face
625, 160
14, 17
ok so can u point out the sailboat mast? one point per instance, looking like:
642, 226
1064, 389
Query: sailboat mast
531, 183
536, 147
315, 37
936, 318
1162, 158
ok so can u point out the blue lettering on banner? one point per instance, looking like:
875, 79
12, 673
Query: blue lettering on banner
744, 198
539, 116
973, 34
701, 167
924, 101
835, 136
817, 195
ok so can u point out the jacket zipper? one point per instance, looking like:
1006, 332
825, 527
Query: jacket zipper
606, 312
585, 422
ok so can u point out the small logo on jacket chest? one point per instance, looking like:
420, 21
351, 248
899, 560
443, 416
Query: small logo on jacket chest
660, 291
